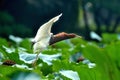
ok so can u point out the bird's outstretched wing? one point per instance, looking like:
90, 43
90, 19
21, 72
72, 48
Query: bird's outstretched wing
62, 36
45, 29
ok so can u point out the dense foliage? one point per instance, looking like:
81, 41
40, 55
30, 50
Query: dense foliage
60, 61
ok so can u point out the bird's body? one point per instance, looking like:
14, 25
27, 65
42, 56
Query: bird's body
43, 36
41, 45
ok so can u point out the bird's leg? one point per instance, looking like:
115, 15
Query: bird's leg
35, 61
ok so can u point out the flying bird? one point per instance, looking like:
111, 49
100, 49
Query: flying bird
44, 37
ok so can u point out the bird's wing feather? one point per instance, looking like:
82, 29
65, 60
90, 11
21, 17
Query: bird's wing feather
45, 29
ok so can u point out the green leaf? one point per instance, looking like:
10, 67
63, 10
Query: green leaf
26, 44
70, 74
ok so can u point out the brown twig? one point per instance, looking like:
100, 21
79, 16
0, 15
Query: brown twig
61, 36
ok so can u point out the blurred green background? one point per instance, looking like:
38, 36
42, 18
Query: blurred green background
23, 17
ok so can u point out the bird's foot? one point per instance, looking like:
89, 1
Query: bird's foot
34, 63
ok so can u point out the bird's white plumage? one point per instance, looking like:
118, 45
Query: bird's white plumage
45, 29
43, 35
